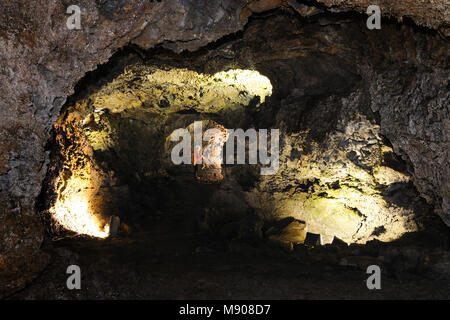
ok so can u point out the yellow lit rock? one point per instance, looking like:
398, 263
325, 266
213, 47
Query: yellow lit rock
386, 175
295, 232
252, 81
176, 89
72, 212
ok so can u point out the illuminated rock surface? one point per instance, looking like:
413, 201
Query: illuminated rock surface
337, 90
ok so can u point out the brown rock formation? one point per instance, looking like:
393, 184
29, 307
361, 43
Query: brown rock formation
41, 60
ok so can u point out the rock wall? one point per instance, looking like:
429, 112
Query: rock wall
41, 60
435, 15
337, 171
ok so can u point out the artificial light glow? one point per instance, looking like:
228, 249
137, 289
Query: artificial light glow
71, 210
339, 197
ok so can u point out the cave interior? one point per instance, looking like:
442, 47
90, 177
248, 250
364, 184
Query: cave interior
345, 195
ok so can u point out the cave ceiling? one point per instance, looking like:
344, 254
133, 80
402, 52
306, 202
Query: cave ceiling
400, 73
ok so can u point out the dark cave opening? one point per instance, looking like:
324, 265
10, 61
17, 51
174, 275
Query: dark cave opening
340, 177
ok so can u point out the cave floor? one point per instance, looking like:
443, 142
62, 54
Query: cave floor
169, 263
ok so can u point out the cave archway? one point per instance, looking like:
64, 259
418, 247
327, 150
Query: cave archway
340, 176
338, 173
